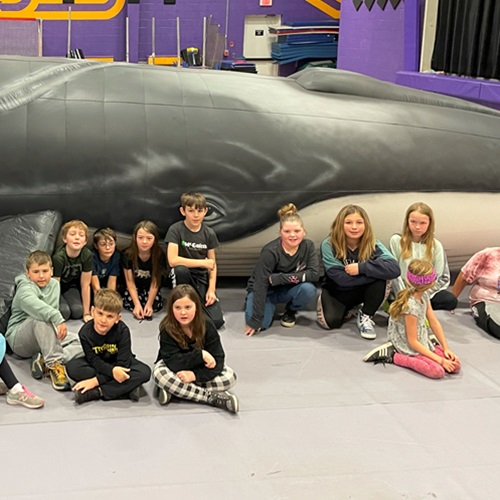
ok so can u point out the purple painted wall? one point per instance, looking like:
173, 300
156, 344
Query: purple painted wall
107, 38
95, 38
372, 42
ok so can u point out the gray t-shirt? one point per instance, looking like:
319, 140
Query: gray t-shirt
193, 245
396, 331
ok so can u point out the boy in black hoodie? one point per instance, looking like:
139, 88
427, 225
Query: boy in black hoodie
109, 369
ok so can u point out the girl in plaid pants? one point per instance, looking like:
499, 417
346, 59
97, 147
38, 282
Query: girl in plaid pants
190, 363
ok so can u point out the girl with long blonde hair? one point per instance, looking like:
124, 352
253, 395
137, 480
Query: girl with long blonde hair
357, 267
417, 241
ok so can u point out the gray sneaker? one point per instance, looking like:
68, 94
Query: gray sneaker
3, 388
164, 397
38, 368
224, 400
366, 326
25, 398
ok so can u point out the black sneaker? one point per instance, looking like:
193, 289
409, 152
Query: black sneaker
135, 394
382, 354
38, 368
224, 400
434, 339
90, 395
288, 319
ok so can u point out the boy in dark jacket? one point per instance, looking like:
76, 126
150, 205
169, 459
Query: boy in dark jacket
109, 369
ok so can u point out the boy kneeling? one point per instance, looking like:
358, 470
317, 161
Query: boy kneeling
109, 370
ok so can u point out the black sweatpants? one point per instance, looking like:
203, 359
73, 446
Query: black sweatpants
484, 320
181, 275
79, 369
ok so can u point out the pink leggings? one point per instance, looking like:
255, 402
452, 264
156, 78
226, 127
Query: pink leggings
423, 364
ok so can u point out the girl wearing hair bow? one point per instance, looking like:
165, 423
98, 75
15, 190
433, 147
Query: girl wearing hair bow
410, 345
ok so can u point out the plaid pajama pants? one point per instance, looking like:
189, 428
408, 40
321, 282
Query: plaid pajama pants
199, 392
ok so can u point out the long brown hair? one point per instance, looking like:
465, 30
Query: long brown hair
338, 238
132, 252
418, 267
198, 325
427, 238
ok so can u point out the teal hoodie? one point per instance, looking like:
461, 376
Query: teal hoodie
31, 301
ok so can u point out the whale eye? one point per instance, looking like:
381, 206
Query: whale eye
215, 212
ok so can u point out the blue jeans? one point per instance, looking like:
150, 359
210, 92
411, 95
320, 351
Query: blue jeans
295, 297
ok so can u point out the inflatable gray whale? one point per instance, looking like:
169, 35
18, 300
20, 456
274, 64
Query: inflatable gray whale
115, 143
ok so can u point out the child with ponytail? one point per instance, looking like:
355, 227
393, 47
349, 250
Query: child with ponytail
286, 273
410, 345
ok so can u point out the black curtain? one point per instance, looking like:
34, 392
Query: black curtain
468, 38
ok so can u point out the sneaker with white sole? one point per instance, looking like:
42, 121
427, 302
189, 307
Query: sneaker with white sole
382, 354
164, 397
38, 368
288, 319
365, 326
3, 388
25, 398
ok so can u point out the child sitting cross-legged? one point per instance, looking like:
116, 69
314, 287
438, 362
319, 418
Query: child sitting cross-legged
109, 370
190, 362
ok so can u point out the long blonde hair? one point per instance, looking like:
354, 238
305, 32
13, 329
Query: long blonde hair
427, 238
338, 239
417, 267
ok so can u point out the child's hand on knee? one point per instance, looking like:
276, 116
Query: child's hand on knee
138, 312
186, 376
62, 331
120, 374
86, 385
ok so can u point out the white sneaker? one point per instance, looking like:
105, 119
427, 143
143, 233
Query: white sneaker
366, 326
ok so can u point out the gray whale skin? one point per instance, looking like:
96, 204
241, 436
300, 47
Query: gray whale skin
116, 143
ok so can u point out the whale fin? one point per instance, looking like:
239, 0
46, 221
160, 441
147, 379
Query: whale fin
27, 89
348, 83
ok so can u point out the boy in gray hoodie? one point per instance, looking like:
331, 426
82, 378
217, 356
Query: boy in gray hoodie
36, 328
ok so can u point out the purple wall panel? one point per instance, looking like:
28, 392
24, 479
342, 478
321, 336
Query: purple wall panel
108, 37
372, 42
95, 38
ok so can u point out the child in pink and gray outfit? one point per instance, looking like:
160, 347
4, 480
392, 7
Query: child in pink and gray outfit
482, 271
